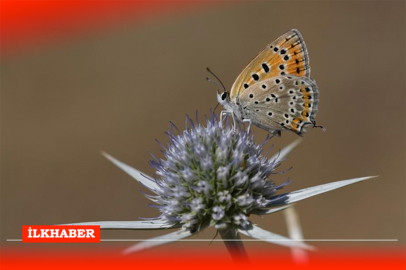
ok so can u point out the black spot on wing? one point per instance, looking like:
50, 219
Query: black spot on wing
265, 67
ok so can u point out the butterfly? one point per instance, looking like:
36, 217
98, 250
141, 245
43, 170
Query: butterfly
275, 91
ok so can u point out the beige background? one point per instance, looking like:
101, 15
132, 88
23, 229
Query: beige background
117, 91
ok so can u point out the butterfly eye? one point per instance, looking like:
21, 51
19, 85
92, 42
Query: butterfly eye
224, 96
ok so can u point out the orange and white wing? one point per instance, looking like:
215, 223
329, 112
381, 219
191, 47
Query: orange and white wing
282, 103
287, 55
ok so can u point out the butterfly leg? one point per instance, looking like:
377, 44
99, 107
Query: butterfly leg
234, 122
222, 115
249, 124
314, 126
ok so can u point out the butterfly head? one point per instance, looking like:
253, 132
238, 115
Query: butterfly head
223, 97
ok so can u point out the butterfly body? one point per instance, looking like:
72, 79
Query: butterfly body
275, 91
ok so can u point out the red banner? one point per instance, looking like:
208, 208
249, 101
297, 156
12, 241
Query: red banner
61, 234
196, 256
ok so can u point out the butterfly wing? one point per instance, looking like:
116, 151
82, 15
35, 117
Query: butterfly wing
281, 103
287, 55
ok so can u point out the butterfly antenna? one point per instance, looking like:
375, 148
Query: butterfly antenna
211, 72
216, 83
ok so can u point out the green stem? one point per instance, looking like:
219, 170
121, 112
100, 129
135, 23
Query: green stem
234, 245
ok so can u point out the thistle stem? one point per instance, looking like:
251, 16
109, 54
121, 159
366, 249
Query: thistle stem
234, 245
295, 232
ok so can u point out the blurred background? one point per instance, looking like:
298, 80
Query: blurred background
80, 77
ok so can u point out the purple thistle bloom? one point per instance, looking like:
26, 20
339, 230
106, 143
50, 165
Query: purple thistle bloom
219, 167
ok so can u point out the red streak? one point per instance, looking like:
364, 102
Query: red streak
33, 23
168, 258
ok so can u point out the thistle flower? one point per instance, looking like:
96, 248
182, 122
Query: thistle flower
214, 175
